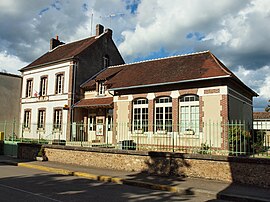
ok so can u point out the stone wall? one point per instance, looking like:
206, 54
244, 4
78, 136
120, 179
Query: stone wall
231, 169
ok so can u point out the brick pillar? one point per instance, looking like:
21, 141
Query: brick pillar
151, 115
130, 112
224, 114
201, 112
115, 117
175, 114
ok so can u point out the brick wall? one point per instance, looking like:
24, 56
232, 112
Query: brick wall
222, 168
224, 114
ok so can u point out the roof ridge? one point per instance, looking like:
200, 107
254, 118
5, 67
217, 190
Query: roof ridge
71, 43
227, 71
155, 59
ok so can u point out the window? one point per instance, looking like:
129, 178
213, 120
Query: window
57, 119
41, 119
163, 115
101, 88
106, 61
189, 114
92, 123
29, 87
109, 124
43, 86
59, 84
140, 115
26, 119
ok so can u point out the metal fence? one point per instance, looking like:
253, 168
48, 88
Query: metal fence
213, 138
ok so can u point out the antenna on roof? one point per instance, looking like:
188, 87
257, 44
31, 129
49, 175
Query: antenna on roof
112, 15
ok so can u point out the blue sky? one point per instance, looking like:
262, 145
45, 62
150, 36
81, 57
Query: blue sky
237, 32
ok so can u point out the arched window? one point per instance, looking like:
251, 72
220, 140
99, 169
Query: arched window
163, 115
140, 115
189, 114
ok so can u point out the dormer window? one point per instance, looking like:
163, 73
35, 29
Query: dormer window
101, 88
106, 61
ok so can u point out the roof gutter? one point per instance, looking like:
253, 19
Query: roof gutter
168, 83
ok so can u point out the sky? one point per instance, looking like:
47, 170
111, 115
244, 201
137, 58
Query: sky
236, 31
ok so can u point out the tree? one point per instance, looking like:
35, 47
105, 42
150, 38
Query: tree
267, 109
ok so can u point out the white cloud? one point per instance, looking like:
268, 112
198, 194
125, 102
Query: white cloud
10, 63
259, 81
237, 32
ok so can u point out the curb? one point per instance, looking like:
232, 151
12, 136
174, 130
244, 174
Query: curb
148, 185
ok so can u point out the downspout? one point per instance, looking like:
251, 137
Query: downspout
74, 72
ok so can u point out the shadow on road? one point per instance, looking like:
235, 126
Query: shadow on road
45, 187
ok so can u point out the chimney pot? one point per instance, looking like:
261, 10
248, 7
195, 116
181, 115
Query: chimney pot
99, 29
57, 37
55, 42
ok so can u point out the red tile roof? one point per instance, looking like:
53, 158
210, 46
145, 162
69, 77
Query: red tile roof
261, 115
105, 74
190, 67
106, 102
62, 52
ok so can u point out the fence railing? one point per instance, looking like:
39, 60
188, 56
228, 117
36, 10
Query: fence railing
213, 138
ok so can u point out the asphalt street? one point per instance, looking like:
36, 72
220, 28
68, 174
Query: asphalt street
24, 184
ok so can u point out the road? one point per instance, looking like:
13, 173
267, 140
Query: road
23, 184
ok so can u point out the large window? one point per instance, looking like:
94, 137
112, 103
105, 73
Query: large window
41, 119
59, 84
189, 114
29, 87
43, 86
57, 119
26, 119
163, 115
140, 115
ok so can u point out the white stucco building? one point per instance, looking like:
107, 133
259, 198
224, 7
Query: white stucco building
50, 85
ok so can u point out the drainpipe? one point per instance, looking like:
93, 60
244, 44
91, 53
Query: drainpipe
74, 72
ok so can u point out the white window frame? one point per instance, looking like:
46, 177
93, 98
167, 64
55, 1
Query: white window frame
29, 88
43, 86
41, 119
57, 118
27, 119
59, 83
166, 129
190, 129
142, 128
101, 88
92, 122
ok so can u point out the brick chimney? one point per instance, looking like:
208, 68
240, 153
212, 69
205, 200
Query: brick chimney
55, 42
109, 31
99, 29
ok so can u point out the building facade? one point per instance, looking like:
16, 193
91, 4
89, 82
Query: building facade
181, 100
51, 83
10, 93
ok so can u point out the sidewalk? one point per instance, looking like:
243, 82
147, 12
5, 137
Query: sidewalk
222, 190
